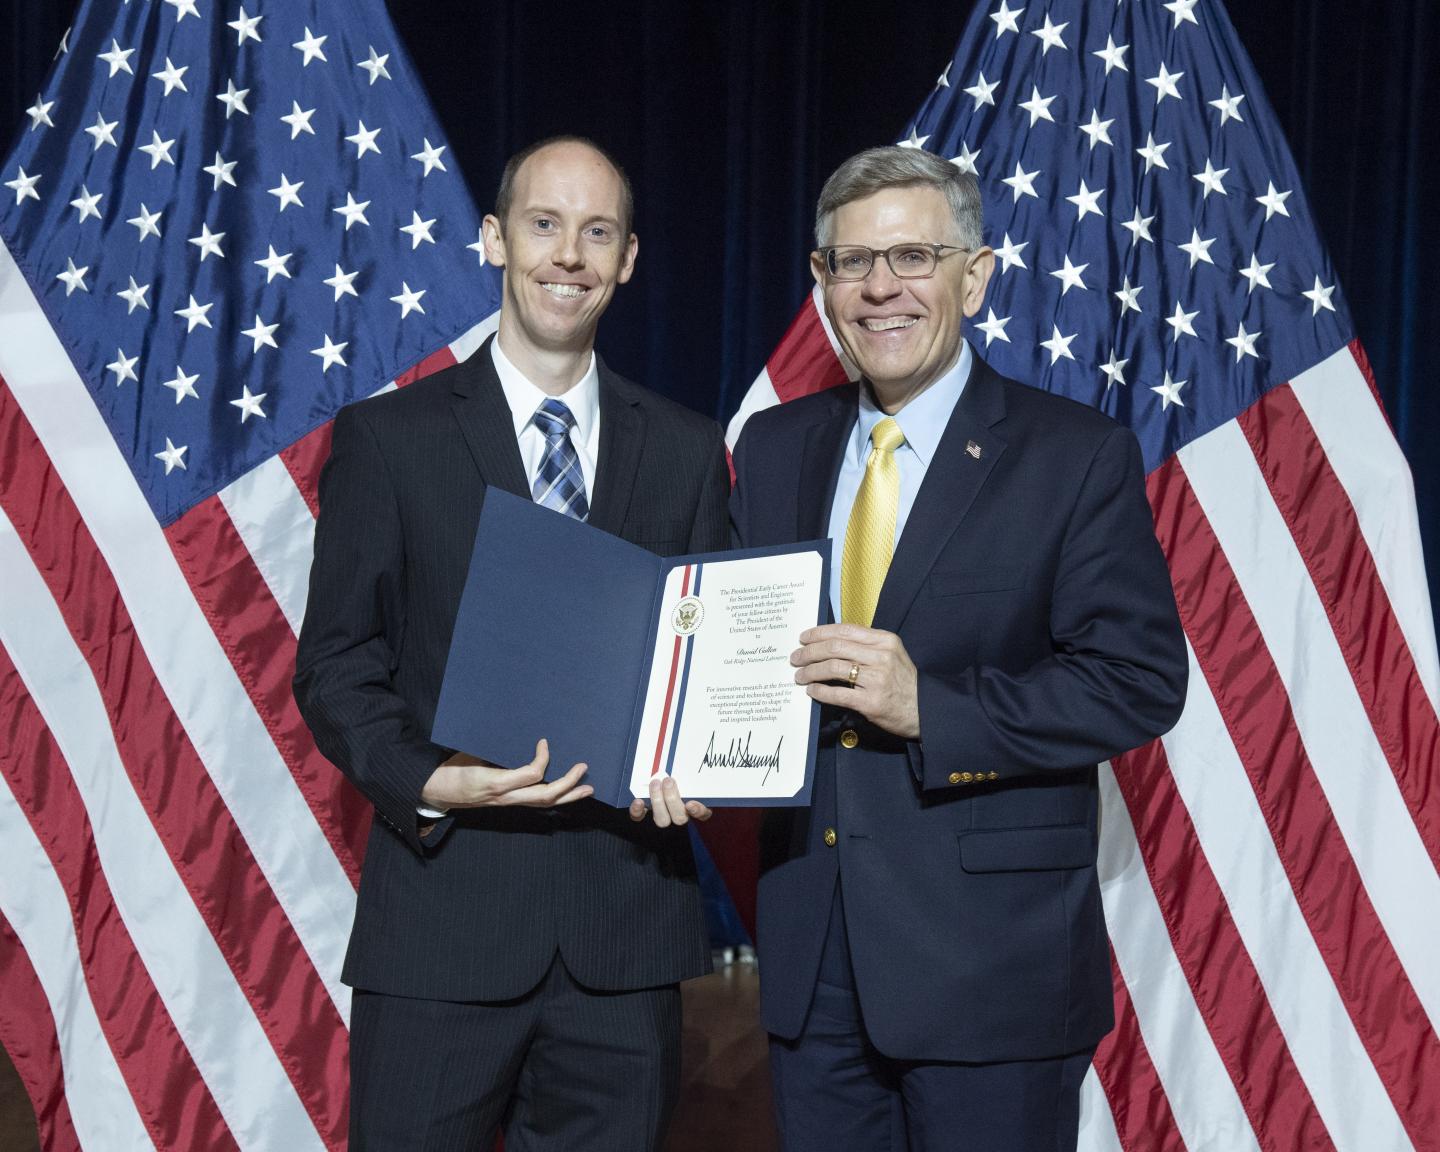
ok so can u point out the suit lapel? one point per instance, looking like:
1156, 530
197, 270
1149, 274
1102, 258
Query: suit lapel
622, 435
820, 465
479, 406
953, 480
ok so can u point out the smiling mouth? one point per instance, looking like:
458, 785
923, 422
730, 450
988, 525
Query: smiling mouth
568, 291
887, 323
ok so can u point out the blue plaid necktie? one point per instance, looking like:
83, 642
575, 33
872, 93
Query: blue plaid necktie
559, 484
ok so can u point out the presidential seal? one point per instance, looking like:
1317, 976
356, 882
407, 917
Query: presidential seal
686, 616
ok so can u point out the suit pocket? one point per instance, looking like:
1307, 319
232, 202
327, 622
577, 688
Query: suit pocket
1028, 849
964, 581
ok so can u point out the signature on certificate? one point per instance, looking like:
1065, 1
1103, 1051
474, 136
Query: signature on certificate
738, 755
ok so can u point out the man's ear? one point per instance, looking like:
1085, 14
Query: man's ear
817, 268
977, 280
627, 263
494, 238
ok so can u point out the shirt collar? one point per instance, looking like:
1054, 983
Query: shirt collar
524, 398
923, 418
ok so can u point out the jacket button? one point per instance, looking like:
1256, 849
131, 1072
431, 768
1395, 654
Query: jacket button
830, 837
954, 777
994, 776
849, 738
966, 777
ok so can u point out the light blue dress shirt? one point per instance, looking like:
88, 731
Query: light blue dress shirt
923, 422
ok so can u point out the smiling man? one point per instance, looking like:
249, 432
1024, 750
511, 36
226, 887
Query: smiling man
934, 970
517, 945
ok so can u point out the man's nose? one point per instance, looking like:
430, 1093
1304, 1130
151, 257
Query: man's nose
569, 253
882, 283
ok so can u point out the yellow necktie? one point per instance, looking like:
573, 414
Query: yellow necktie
870, 535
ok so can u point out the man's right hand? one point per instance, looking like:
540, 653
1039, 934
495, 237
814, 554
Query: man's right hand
465, 782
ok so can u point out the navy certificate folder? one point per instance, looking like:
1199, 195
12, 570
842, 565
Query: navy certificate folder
555, 637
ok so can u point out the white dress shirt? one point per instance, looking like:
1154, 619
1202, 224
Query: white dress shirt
524, 398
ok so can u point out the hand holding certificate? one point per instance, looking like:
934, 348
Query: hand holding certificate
640, 666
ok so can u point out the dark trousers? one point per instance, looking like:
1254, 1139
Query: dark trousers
834, 1091
562, 1069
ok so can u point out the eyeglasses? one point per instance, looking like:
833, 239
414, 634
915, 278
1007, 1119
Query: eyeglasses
907, 261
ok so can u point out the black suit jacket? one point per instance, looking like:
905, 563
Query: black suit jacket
1030, 592
478, 909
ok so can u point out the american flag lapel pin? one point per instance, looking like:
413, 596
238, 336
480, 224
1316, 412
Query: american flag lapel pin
973, 449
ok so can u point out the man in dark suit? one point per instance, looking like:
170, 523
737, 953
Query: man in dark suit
933, 957
517, 945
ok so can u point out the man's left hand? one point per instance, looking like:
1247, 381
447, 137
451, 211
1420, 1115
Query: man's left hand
883, 688
667, 805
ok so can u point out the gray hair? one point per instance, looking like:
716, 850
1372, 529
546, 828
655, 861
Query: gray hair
876, 169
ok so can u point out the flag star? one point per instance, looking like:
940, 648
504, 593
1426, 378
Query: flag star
1059, 346
64, 45
330, 354
174, 457
147, 222
364, 140
299, 121
966, 160
1038, 106
182, 385
288, 193
1182, 322
1169, 392
245, 27
311, 47
1114, 370
74, 277
418, 230
184, 8
1139, 227
1257, 273
39, 113
118, 58
1319, 296
1010, 254
1050, 35
1164, 83
943, 80
409, 301
1005, 19
914, 140
172, 77
194, 315
103, 131
994, 327
478, 246
1022, 183
430, 157
1183, 10
343, 282
1070, 276
1154, 153
274, 265
1198, 249
1244, 344
983, 92
134, 296
375, 66
249, 403
222, 170
1113, 54
354, 213
87, 204
1087, 201
262, 334
24, 186
158, 151
1229, 106
1098, 130
1128, 298
234, 99
208, 242
123, 366
1211, 179
1274, 201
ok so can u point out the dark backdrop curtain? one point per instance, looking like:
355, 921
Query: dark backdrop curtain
728, 116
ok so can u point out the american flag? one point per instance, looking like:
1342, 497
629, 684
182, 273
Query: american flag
221, 223
1269, 868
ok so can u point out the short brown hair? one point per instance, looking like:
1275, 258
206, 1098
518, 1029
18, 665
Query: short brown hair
506, 191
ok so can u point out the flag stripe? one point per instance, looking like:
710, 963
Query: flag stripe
1097, 1122
216, 867
806, 360
260, 644
1249, 691
304, 459
278, 529
1192, 1079
1205, 938
1322, 522
173, 1101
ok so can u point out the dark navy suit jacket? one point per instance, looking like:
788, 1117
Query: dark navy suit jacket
1030, 592
479, 908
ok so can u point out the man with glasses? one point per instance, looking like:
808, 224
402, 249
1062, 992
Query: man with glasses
935, 973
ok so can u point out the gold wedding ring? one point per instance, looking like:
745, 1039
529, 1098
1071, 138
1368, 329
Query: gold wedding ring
854, 674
